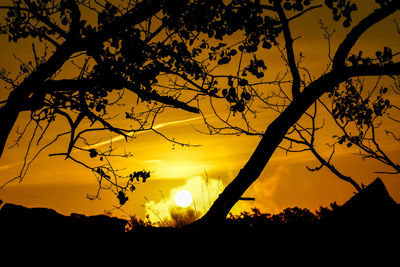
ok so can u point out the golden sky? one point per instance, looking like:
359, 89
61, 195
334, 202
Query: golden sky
62, 185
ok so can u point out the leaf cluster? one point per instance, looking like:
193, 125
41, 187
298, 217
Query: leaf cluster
382, 57
20, 24
349, 106
231, 94
139, 174
122, 197
342, 9
297, 5
256, 68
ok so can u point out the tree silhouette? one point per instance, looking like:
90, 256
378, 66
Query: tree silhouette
358, 110
305, 93
172, 54
129, 47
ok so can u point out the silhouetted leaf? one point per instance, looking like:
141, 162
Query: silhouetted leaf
122, 198
93, 153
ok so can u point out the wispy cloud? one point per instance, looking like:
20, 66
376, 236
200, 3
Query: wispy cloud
155, 127
165, 124
152, 161
9, 166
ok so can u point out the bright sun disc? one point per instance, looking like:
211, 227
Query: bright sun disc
183, 198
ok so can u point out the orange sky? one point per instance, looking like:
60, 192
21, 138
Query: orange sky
62, 185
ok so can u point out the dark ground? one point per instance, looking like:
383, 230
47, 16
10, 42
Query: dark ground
368, 221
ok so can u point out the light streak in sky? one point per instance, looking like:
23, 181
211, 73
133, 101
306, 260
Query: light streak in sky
156, 127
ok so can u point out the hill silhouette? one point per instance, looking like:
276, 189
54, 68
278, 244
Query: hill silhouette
372, 209
372, 206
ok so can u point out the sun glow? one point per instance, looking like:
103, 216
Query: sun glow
202, 191
183, 198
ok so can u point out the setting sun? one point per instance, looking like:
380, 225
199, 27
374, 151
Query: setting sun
183, 198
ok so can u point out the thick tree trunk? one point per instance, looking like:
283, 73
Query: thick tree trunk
277, 130
8, 116
271, 138
29, 95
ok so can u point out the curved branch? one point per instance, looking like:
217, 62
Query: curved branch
366, 23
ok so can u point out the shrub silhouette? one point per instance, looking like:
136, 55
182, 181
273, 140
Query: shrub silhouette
289, 216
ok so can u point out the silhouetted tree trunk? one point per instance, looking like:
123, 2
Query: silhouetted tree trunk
8, 116
277, 130
29, 95
265, 149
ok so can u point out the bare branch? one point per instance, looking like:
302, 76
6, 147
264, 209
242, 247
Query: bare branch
289, 49
303, 12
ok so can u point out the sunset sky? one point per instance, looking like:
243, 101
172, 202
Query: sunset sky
206, 169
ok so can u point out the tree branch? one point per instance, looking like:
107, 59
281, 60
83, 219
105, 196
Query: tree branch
372, 70
333, 169
75, 19
140, 12
115, 83
366, 23
289, 49
304, 11
32, 9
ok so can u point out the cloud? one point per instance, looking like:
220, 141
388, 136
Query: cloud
156, 127
266, 187
9, 166
204, 191
264, 190
152, 161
